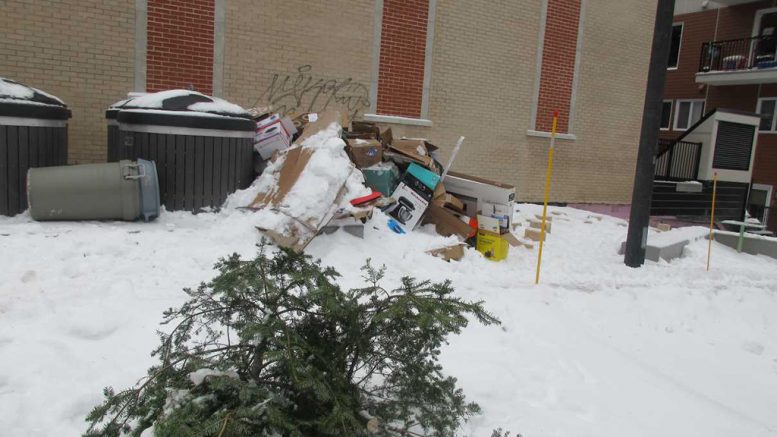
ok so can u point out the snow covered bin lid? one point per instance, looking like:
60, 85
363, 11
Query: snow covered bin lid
22, 101
114, 109
183, 108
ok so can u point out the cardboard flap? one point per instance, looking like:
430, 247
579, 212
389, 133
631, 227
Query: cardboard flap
447, 223
323, 120
454, 252
296, 160
416, 150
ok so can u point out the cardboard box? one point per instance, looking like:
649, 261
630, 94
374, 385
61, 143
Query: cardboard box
271, 139
473, 191
503, 213
412, 196
415, 150
449, 201
492, 245
488, 223
365, 153
454, 252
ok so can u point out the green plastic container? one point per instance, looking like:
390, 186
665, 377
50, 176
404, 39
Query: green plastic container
382, 177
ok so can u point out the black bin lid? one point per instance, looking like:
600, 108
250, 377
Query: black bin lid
114, 109
182, 108
19, 100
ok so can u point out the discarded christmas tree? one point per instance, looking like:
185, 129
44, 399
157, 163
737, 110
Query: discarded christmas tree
273, 347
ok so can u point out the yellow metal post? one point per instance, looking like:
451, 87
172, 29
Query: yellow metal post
547, 192
712, 217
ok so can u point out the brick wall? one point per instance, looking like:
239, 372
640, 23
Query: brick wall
299, 56
558, 63
79, 50
402, 52
179, 51
482, 83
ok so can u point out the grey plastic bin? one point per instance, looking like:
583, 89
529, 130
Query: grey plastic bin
202, 146
123, 190
33, 133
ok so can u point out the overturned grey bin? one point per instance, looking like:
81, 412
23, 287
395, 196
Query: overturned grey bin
123, 190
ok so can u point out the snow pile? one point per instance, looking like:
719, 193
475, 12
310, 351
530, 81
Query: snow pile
208, 104
326, 182
15, 90
597, 349
18, 93
220, 106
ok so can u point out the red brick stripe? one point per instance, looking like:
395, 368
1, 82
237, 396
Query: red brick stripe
558, 64
402, 54
180, 45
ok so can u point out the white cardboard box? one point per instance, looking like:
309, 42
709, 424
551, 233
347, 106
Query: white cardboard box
409, 208
271, 139
473, 191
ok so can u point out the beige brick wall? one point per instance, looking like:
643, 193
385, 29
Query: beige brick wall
79, 50
482, 83
333, 38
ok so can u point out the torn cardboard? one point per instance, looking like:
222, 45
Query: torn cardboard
453, 252
287, 216
418, 151
447, 223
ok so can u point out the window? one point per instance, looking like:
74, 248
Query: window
666, 114
687, 113
766, 111
674, 48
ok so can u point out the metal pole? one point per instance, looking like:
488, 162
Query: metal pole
712, 217
648, 140
547, 193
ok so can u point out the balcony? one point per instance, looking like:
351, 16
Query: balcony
744, 61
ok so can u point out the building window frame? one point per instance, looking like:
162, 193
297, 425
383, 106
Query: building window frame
676, 117
679, 46
671, 109
773, 123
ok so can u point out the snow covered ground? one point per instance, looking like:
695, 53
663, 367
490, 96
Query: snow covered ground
598, 349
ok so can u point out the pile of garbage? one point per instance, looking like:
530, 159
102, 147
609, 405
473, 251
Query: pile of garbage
323, 173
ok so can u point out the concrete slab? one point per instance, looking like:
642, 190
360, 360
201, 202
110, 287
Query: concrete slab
670, 244
752, 244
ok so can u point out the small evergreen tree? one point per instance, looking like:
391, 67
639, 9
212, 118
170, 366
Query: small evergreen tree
273, 347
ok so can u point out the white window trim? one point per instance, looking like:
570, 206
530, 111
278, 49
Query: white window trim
680, 48
671, 113
677, 112
757, 19
773, 130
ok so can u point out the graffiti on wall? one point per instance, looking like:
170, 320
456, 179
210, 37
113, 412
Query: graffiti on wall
303, 91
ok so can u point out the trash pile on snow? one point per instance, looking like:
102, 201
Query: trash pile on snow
323, 173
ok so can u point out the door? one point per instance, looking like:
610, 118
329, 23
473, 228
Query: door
764, 51
760, 201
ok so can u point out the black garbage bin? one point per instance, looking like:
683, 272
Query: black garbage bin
113, 129
33, 133
202, 145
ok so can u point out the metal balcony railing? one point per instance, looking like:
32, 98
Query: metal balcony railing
678, 160
739, 54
